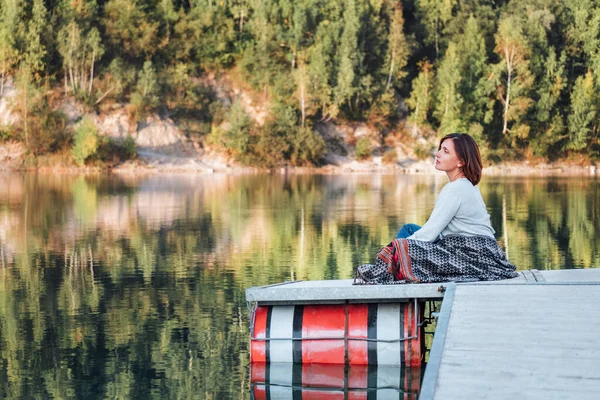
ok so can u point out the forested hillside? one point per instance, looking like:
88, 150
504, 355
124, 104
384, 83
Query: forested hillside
521, 76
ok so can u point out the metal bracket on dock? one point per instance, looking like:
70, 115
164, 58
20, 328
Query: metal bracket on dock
252, 306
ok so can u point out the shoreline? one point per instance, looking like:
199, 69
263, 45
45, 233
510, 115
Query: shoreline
13, 159
139, 167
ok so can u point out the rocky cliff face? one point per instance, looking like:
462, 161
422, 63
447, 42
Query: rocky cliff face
163, 145
159, 141
7, 116
11, 153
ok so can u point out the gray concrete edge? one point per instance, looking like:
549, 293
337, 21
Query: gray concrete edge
359, 294
437, 348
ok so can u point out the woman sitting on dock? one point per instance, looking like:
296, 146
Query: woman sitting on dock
457, 242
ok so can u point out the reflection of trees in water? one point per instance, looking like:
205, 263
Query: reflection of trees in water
308, 227
239, 221
65, 332
551, 223
134, 288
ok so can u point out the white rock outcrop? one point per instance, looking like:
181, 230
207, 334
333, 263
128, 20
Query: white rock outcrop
7, 116
115, 124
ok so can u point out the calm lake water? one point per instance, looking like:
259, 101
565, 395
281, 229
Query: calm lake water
133, 287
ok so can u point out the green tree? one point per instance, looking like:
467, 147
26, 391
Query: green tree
80, 50
549, 115
303, 94
8, 30
349, 54
434, 14
86, 141
214, 26
35, 49
449, 99
235, 137
146, 97
363, 148
28, 97
307, 148
583, 31
131, 31
515, 79
398, 49
322, 66
583, 123
420, 96
473, 58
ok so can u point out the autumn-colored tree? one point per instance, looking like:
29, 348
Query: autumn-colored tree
515, 79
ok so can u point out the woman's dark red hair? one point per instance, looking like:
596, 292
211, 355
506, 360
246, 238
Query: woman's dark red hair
468, 154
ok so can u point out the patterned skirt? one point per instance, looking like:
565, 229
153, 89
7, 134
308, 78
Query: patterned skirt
454, 258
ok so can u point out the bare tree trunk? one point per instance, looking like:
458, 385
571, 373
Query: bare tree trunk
415, 128
104, 95
71, 76
73, 87
76, 77
389, 80
447, 102
82, 72
66, 80
25, 112
508, 82
302, 100
437, 47
92, 71
241, 21
76, 74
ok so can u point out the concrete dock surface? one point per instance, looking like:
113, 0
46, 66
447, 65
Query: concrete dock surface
518, 341
536, 336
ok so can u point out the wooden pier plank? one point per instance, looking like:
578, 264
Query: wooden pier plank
521, 341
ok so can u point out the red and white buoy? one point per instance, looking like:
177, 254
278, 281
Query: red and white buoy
350, 334
333, 381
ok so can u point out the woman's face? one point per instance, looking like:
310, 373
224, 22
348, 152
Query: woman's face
446, 158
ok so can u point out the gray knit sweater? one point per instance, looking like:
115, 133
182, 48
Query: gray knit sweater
459, 210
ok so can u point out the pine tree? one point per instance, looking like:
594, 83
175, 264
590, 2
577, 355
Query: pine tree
36, 51
323, 64
474, 63
349, 55
549, 116
420, 96
434, 14
449, 99
583, 119
583, 31
398, 50
147, 90
131, 31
